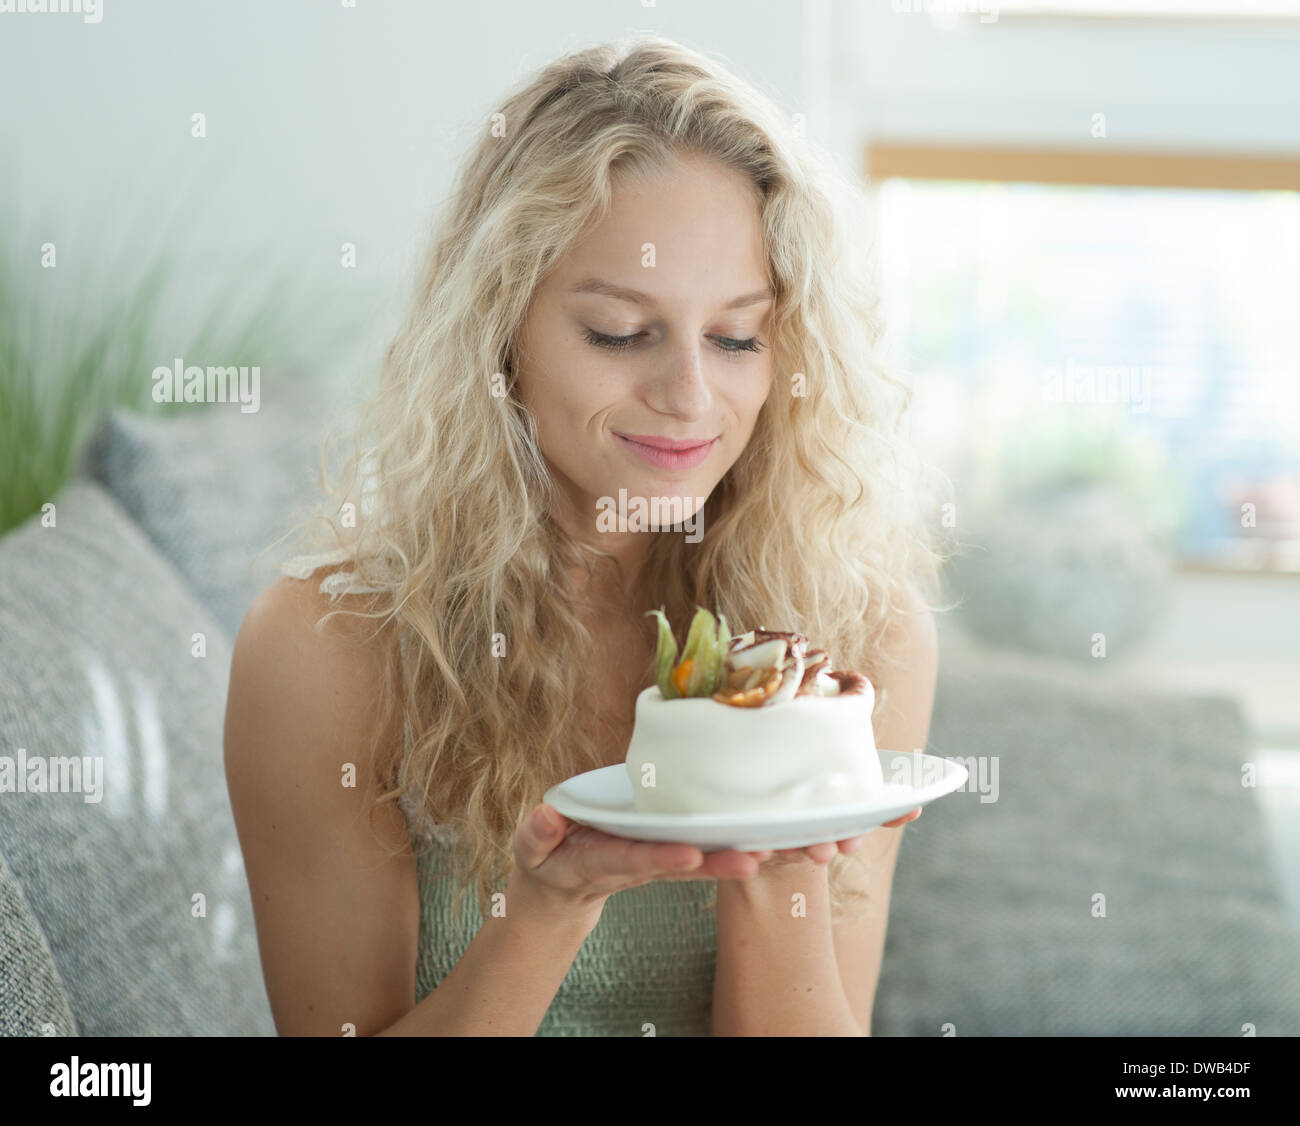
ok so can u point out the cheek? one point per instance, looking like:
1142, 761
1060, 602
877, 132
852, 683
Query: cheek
749, 401
584, 394
570, 401
554, 380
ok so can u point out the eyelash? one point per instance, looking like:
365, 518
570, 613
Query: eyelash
618, 343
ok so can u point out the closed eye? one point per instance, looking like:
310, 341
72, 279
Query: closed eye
725, 343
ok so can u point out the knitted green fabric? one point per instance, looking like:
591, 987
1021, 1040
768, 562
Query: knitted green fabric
649, 960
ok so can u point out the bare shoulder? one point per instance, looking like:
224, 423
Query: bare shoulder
330, 874
907, 679
912, 638
287, 615
284, 655
303, 691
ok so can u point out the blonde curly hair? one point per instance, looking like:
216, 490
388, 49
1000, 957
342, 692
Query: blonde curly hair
815, 528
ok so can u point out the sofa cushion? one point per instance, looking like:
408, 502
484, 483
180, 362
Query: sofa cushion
995, 927
136, 877
32, 1000
214, 488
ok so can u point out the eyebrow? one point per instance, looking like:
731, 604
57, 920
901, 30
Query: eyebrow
608, 289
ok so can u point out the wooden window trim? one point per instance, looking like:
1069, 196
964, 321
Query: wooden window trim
1128, 167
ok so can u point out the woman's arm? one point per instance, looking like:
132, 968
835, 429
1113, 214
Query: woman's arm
338, 917
776, 972
786, 974
507, 978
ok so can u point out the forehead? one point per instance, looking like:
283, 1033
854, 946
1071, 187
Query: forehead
694, 227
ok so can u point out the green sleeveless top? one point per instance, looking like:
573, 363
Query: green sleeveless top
649, 960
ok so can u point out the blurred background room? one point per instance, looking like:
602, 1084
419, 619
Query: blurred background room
1087, 229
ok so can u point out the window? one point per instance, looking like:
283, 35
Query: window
1144, 336
1216, 9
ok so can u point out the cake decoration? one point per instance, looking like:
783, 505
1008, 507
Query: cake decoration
752, 670
754, 723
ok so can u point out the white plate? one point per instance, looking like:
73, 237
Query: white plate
603, 799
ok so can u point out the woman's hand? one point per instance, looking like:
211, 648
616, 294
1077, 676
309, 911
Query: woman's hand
575, 868
824, 852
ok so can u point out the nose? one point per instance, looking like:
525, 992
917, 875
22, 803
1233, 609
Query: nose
681, 388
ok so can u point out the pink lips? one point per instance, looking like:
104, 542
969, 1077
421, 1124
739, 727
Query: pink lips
667, 453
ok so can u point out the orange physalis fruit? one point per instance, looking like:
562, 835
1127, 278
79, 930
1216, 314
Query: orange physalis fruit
682, 674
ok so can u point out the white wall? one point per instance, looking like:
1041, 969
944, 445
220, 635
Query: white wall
1162, 83
325, 124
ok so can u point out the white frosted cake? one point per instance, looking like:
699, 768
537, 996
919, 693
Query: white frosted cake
756, 723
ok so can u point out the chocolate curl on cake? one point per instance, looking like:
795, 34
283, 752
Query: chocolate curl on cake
753, 671
757, 636
851, 683
791, 675
767, 666
758, 655
763, 667
816, 667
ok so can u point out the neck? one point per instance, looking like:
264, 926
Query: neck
611, 584
609, 588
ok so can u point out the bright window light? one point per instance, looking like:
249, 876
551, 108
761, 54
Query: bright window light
1143, 335
1224, 8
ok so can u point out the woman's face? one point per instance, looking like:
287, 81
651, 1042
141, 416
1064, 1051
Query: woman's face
655, 326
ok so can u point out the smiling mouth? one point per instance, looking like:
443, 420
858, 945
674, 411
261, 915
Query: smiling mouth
682, 458
672, 445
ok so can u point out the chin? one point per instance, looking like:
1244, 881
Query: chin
648, 505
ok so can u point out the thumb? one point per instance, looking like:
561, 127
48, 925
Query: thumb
541, 834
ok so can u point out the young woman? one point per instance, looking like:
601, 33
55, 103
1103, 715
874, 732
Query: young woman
639, 254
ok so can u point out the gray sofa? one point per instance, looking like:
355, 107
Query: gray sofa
1118, 885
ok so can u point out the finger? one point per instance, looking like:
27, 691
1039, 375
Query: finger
672, 861
725, 864
540, 834
821, 853
806, 853
658, 858
903, 820
603, 858
740, 869
731, 864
